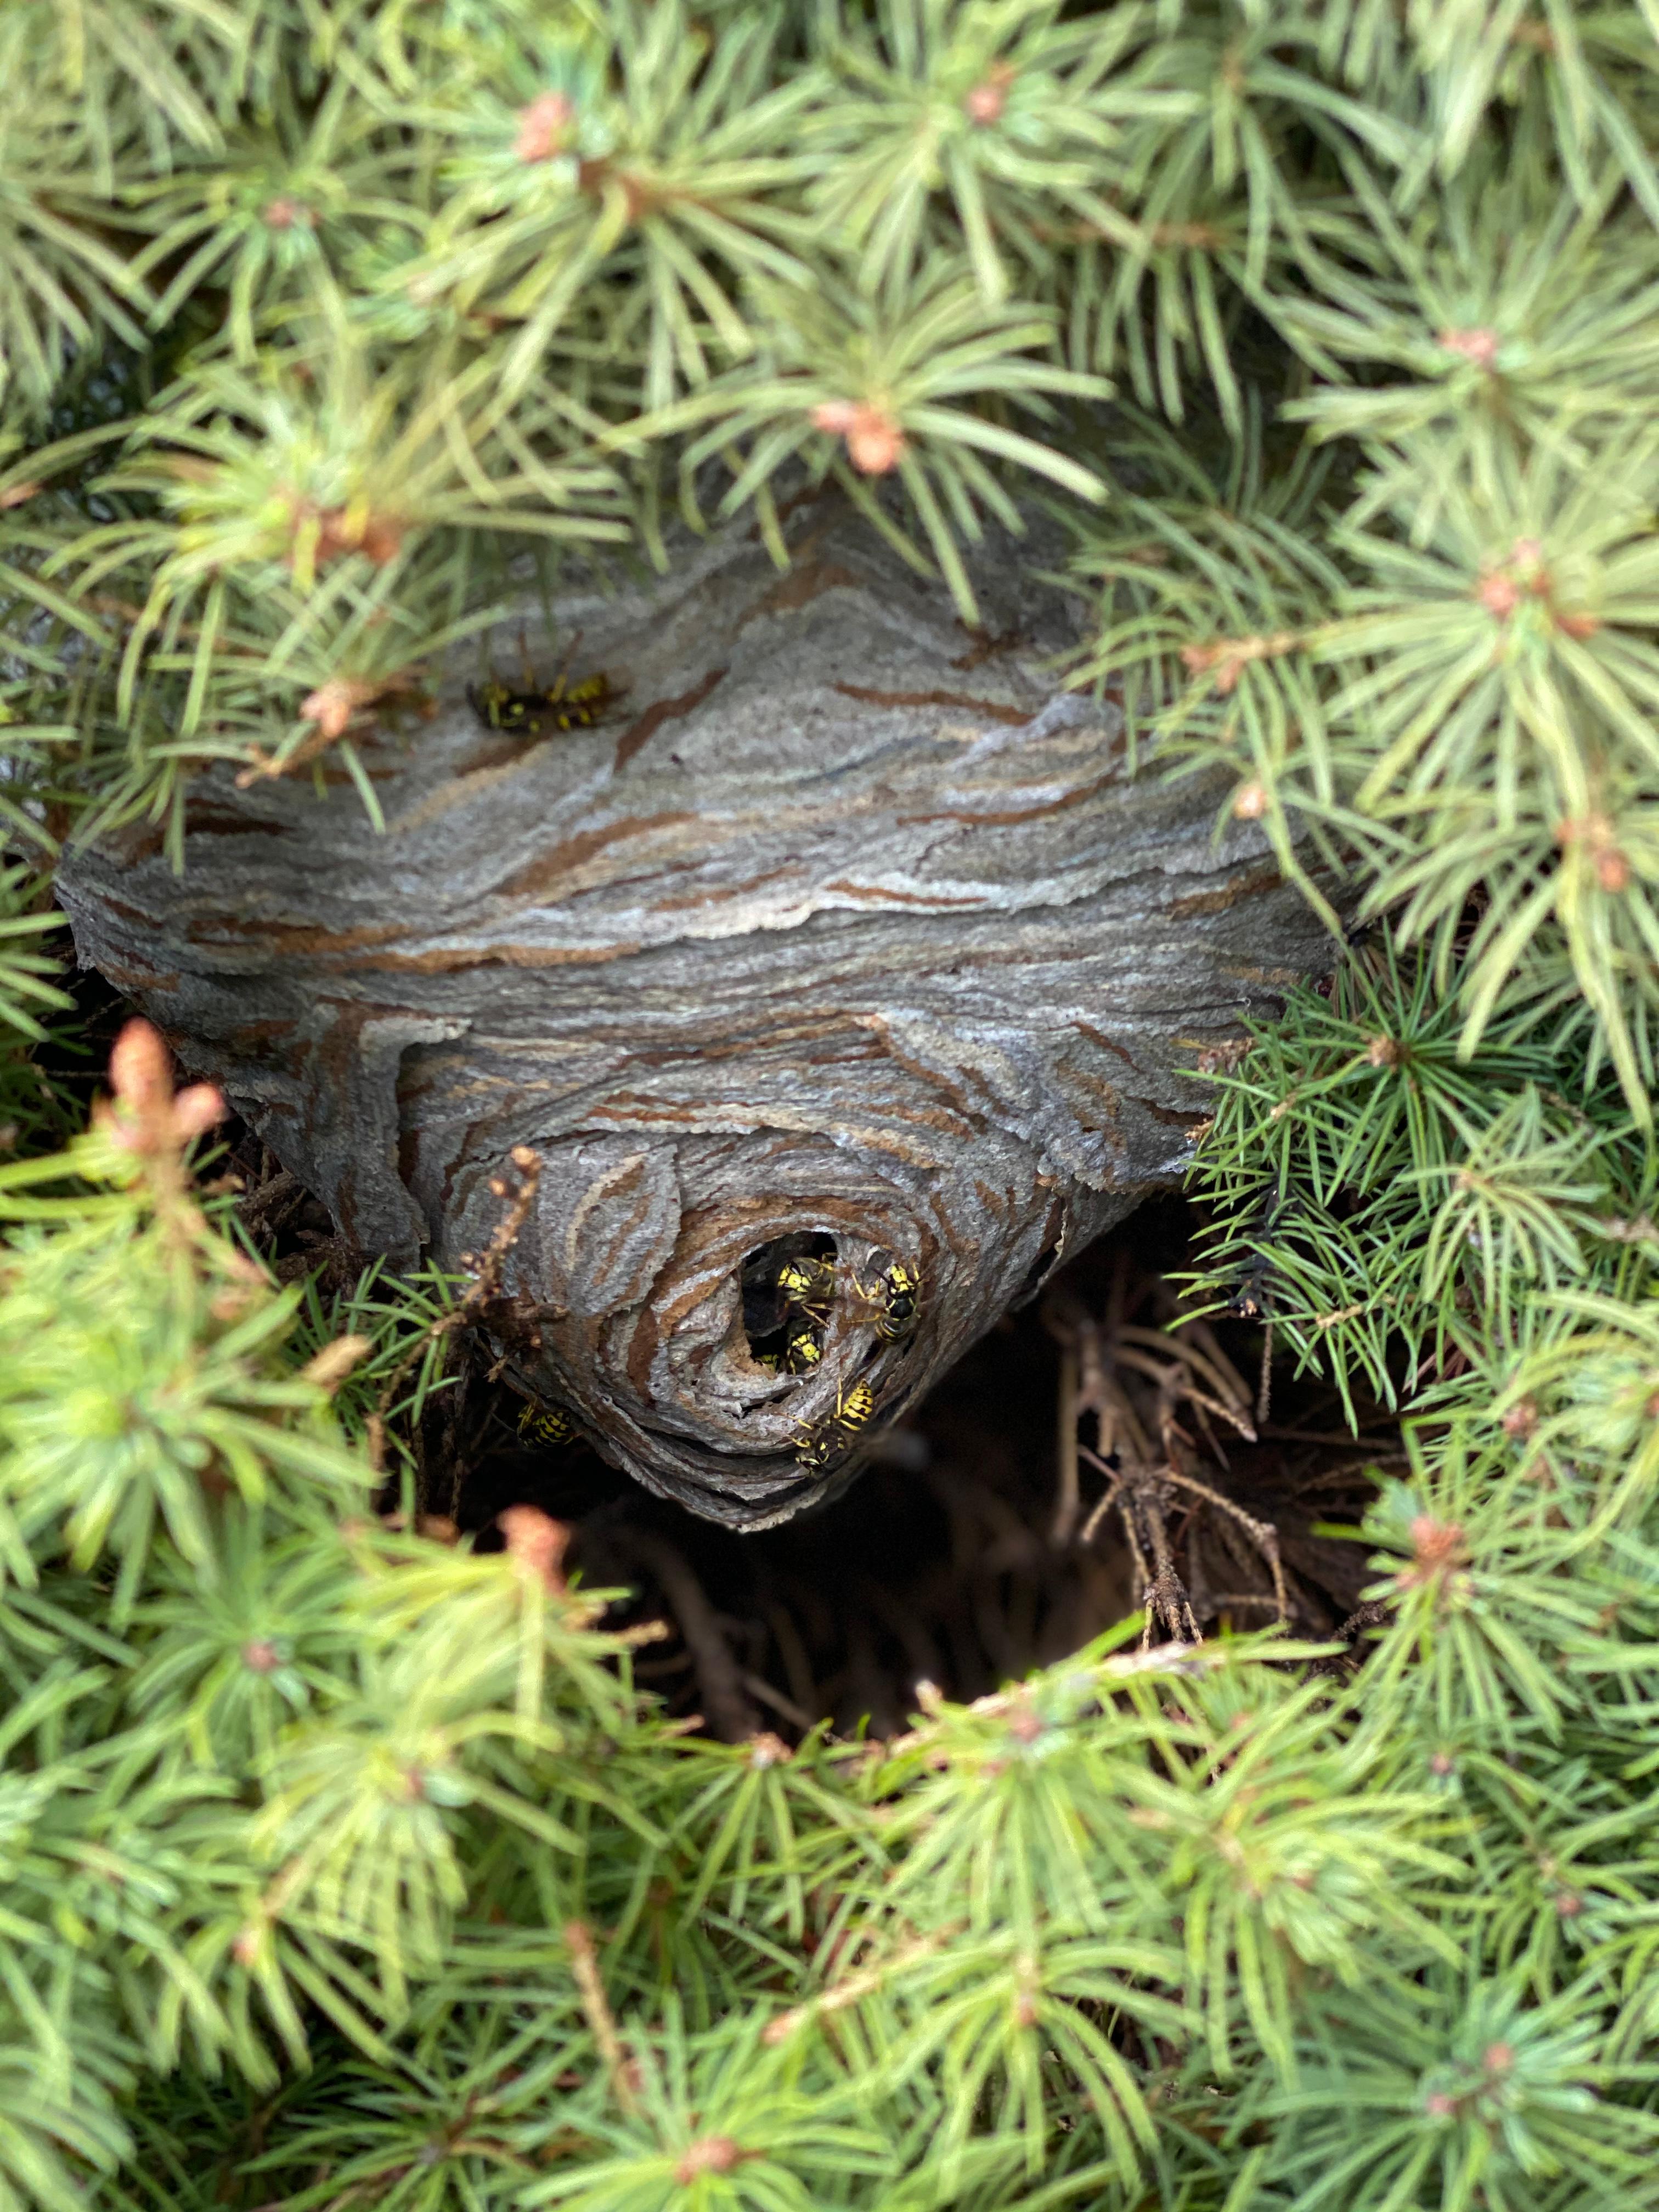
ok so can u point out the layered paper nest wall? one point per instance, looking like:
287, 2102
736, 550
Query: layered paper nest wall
844, 921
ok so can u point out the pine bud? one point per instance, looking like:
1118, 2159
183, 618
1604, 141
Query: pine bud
1479, 346
329, 1367
140, 1070
1499, 594
196, 1110
545, 126
1520, 1420
1438, 1545
708, 2154
1251, 801
148, 1118
875, 442
986, 102
333, 704
536, 1542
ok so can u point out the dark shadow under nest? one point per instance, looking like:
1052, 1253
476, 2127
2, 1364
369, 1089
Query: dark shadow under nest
976, 1545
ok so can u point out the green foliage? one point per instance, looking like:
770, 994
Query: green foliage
341, 1866
340, 1862
1374, 1191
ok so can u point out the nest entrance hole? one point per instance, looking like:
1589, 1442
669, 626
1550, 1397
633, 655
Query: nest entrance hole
767, 1314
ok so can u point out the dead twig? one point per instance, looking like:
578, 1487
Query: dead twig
487, 1266
585, 1966
1107, 1367
731, 1716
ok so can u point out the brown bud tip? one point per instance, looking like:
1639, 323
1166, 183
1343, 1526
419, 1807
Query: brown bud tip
1383, 1052
1500, 595
260, 1657
331, 706
140, 1070
768, 1750
1498, 2057
986, 102
1438, 1545
283, 213
329, 1367
1569, 1906
544, 127
1251, 801
708, 2154
195, 1111
1520, 1420
537, 1541
1442, 1763
875, 444
1441, 2105
382, 540
1479, 346
1612, 872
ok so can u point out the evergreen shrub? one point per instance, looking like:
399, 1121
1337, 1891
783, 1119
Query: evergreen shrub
343, 1867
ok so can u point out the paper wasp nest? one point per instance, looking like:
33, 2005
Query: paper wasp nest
843, 934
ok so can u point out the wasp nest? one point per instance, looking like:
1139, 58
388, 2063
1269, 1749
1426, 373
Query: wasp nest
838, 975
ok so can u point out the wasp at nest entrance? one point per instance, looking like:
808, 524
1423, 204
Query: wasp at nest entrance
807, 1307
789, 1291
794, 1288
538, 708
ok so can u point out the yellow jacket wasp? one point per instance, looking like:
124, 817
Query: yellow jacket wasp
560, 705
820, 1443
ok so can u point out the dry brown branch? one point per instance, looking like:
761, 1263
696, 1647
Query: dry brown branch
720, 1679
1113, 1361
485, 1286
585, 1966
